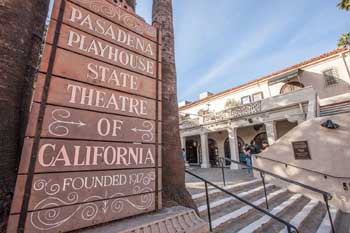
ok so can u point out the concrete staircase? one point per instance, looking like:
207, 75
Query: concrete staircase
229, 215
333, 109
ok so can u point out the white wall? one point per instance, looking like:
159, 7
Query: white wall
330, 154
311, 75
218, 104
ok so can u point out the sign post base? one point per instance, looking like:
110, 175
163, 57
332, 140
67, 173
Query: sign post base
167, 220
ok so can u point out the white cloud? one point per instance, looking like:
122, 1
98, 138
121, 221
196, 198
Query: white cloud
254, 41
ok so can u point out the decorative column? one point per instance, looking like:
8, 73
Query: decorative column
232, 135
205, 150
183, 146
312, 106
271, 132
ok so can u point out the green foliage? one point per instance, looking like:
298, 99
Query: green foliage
344, 5
344, 40
231, 103
203, 112
184, 117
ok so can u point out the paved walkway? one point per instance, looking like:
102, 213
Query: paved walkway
214, 175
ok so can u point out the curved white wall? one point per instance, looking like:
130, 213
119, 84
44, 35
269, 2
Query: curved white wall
330, 153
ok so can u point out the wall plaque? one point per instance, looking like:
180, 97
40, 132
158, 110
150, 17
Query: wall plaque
301, 150
92, 150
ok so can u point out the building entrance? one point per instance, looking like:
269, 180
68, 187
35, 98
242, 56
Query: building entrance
192, 151
260, 139
227, 149
213, 152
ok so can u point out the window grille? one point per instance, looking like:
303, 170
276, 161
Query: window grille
331, 77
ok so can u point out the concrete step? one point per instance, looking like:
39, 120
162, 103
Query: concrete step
228, 217
274, 226
302, 215
221, 195
227, 200
201, 197
325, 226
255, 226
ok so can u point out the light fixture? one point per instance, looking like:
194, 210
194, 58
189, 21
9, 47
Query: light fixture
329, 124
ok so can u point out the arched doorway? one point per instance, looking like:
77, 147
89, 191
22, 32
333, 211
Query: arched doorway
213, 151
192, 151
291, 86
228, 151
259, 139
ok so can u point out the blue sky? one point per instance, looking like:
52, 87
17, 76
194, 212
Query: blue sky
231, 42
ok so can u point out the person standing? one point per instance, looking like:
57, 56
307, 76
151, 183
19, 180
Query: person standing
255, 148
184, 155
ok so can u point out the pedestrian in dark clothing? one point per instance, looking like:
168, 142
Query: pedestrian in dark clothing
248, 154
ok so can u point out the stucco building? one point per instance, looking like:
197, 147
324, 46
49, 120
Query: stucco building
263, 109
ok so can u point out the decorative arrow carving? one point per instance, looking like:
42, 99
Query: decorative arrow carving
147, 134
58, 127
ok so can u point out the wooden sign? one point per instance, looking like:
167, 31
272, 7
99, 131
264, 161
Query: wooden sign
301, 150
90, 71
92, 150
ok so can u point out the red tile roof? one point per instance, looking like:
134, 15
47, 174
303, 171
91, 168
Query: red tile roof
263, 78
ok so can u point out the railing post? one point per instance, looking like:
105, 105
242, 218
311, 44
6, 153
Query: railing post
223, 171
263, 181
208, 205
326, 199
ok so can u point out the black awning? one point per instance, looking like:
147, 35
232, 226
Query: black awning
283, 77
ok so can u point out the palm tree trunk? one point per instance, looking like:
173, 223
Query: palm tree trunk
131, 3
174, 190
21, 29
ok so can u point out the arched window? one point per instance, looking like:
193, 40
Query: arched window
260, 139
291, 86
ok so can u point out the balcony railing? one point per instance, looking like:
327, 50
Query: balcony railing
231, 113
305, 95
188, 123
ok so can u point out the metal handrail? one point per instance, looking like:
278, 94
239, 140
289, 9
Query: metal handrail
282, 178
291, 228
306, 169
326, 195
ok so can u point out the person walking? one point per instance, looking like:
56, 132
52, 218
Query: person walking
248, 154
